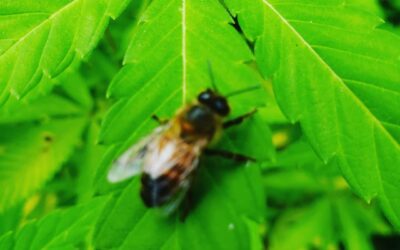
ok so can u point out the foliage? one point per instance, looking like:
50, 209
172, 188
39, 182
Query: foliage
59, 229
319, 212
326, 135
391, 9
166, 83
41, 39
330, 87
34, 154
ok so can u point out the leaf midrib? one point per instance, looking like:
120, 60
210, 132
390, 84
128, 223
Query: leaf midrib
333, 73
375, 121
39, 25
66, 231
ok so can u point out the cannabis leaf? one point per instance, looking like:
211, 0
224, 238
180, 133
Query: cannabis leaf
319, 212
30, 154
40, 39
160, 74
39, 138
62, 229
164, 72
338, 74
318, 224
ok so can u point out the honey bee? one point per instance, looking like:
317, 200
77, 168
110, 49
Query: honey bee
168, 157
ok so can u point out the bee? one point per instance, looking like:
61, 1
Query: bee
168, 157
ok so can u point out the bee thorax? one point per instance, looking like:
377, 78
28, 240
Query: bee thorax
199, 120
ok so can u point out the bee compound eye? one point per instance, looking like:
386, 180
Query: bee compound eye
205, 96
220, 105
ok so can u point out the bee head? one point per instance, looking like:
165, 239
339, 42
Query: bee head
214, 101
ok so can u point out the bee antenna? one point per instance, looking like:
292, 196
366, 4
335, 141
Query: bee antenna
211, 73
244, 90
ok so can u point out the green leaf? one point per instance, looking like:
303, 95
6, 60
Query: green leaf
224, 196
305, 228
11, 218
30, 153
123, 28
88, 161
70, 98
163, 71
40, 109
63, 229
355, 234
367, 5
338, 75
41, 39
327, 222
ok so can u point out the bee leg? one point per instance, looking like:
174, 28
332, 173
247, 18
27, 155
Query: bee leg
229, 155
187, 205
238, 120
159, 120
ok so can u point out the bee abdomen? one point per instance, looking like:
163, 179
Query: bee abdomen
157, 192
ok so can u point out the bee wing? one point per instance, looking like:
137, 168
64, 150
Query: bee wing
131, 161
174, 203
184, 186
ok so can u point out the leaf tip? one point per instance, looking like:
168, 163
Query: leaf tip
80, 54
15, 93
109, 93
99, 141
47, 74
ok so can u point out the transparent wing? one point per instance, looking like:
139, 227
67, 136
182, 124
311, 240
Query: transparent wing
131, 161
185, 184
170, 207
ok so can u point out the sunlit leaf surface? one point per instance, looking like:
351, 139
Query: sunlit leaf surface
40, 39
64, 229
338, 74
162, 73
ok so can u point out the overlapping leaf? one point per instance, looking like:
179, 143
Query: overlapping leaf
339, 75
313, 208
31, 153
314, 226
163, 71
38, 137
166, 67
63, 229
40, 39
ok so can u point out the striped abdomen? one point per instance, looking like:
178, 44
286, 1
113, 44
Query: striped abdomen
159, 191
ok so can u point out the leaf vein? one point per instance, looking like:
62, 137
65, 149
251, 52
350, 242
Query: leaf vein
45, 21
184, 59
379, 60
333, 73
